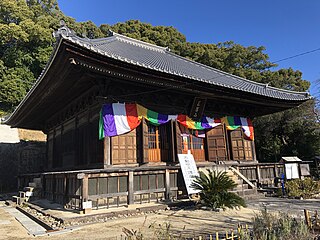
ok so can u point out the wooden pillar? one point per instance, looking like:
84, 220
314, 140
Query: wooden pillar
167, 185
18, 182
253, 146
106, 152
275, 170
130, 188
173, 149
65, 193
258, 173
85, 185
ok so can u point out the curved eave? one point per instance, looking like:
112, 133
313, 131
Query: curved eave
12, 121
266, 90
205, 85
17, 118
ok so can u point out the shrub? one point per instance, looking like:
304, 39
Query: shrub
267, 226
214, 190
305, 188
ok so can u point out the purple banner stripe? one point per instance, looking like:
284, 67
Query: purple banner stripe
237, 121
204, 123
162, 118
109, 125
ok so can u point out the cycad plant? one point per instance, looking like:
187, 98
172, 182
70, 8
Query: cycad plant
214, 190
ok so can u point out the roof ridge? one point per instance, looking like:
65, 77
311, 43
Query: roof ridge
138, 42
93, 44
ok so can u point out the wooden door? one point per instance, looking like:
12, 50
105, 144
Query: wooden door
194, 144
154, 152
216, 142
159, 141
240, 147
124, 148
248, 149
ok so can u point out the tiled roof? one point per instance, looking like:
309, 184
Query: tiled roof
161, 59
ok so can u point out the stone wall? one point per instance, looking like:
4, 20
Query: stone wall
19, 158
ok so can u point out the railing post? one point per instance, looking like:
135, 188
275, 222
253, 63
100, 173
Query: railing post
167, 184
258, 173
275, 170
130, 188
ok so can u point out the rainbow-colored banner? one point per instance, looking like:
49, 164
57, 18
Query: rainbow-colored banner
205, 123
121, 118
233, 123
154, 117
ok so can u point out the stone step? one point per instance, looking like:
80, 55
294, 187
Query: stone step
246, 192
241, 187
238, 181
18, 200
28, 189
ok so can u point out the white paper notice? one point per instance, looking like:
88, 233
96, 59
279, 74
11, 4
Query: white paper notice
189, 171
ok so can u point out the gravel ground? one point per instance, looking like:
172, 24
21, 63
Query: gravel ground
185, 222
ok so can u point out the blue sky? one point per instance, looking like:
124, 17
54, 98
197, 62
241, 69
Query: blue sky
285, 27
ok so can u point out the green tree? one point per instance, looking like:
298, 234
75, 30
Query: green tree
159, 35
26, 43
294, 132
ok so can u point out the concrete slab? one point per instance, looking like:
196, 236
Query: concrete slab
32, 227
8, 135
4, 222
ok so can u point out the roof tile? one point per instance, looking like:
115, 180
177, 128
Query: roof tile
161, 59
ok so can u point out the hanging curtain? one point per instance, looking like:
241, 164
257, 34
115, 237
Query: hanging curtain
121, 118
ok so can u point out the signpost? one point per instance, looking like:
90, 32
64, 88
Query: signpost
189, 171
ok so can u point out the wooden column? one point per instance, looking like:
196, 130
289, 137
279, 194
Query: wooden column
167, 185
254, 150
65, 194
258, 173
130, 188
84, 192
106, 152
275, 170
173, 149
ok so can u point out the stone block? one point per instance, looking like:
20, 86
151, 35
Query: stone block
22, 194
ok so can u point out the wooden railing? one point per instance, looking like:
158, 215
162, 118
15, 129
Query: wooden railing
262, 173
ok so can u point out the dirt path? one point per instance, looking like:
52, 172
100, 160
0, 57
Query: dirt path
189, 222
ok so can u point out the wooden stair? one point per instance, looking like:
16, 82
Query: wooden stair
244, 188
33, 190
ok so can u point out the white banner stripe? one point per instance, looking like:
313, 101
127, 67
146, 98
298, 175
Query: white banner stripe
120, 118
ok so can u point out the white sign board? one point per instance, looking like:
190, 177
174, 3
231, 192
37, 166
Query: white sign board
189, 171
87, 205
292, 171
305, 169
